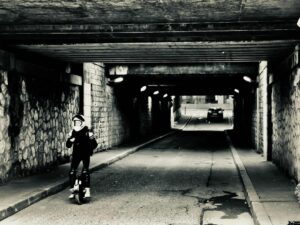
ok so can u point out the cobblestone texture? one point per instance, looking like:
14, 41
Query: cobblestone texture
5, 143
36, 111
34, 121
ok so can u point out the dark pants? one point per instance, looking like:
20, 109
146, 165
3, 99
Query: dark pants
76, 159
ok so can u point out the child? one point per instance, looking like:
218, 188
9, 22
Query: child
83, 143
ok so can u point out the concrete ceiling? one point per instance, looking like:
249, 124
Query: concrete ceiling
151, 31
144, 11
166, 52
185, 79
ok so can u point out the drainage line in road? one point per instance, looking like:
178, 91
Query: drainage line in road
187, 122
210, 171
202, 216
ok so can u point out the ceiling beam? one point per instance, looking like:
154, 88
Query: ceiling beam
164, 52
213, 69
156, 32
186, 86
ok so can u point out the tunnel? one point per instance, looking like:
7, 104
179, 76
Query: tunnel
126, 65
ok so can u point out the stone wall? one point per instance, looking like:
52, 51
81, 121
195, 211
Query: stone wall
262, 109
286, 116
37, 104
259, 113
34, 120
278, 97
5, 143
108, 120
254, 121
117, 114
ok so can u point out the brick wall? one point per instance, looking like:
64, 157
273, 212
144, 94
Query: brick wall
286, 116
283, 81
117, 115
106, 119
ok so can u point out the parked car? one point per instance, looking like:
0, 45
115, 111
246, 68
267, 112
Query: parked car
215, 114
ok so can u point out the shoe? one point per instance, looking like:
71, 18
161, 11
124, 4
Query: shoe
87, 193
71, 196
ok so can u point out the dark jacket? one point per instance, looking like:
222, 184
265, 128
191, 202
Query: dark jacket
84, 143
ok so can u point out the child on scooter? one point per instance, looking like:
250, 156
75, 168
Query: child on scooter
83, 142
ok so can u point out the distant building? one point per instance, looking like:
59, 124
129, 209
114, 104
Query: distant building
211, 99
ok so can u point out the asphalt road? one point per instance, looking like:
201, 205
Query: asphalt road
186, 179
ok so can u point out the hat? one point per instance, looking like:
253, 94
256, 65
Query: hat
78, 116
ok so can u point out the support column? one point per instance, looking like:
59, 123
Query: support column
177, 108
87, 96
286, 114
263, 108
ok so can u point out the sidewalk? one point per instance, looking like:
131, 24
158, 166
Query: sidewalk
269, 193
21, 193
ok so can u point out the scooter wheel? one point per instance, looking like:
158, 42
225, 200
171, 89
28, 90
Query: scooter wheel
78, 199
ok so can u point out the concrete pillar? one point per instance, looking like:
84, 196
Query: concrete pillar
87, 103
172, 112
90, 74
263, 108
177, 108
285, 101
238, 116
257, 120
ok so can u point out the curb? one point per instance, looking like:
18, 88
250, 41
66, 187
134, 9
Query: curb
59, 186
35, 197
258, 211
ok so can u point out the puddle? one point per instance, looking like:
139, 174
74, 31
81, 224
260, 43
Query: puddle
229, 205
